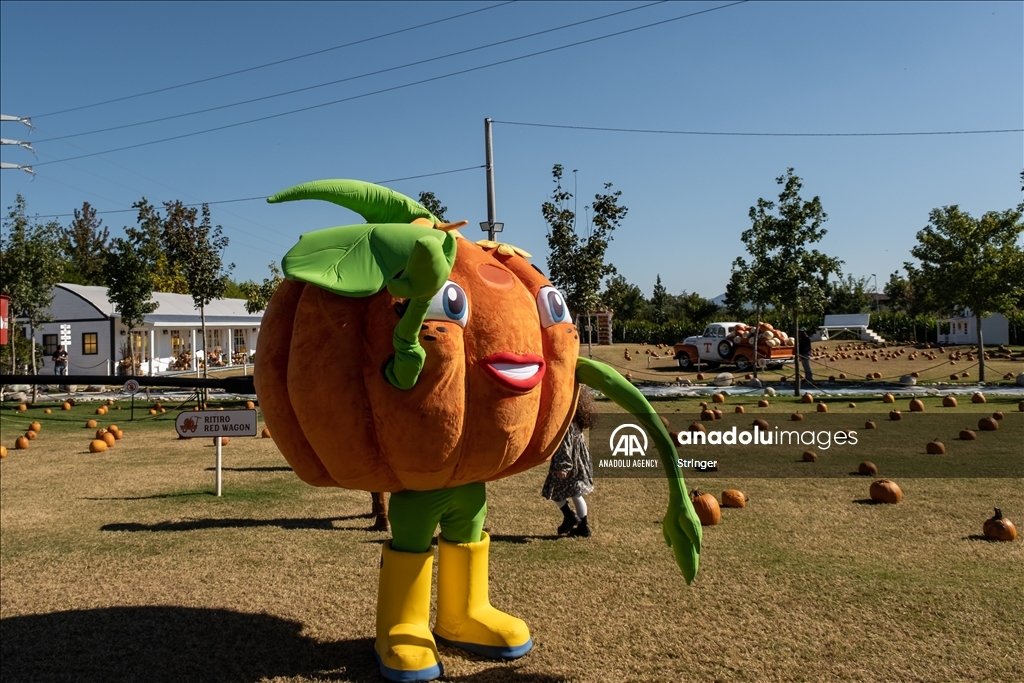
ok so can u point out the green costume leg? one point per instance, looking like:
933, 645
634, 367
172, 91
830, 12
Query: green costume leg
414, 516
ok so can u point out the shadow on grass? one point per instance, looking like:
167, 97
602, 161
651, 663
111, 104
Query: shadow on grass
173, 644
282, 468
979, 537
183, 494
326, 524
868, 501
514, 538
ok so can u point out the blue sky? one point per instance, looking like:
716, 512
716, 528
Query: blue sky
755, 67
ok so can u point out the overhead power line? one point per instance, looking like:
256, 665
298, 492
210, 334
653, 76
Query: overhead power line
768, 135
404, 85
349, 78
252, 199
275, 63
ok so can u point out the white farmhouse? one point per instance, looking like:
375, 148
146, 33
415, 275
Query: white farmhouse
995, 329
170, 339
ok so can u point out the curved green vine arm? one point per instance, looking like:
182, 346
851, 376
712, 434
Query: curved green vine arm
413, 261
375, 203
681, 527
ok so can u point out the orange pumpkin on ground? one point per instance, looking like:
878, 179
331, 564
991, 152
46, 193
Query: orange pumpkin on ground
988, 424
949, 402
21, 443
999, 528
867, 468
109, 439
31, 435
733, 498
707, 508
91, 424
935, 447
66, 406
97, 446
3, 451
885, 491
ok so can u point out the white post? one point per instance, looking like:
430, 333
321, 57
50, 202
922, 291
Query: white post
219, 462
231, 347
193, 360
152, 349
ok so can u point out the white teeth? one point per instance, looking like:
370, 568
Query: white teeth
516, 370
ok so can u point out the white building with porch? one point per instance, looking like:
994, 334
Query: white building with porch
170, 339
995, 329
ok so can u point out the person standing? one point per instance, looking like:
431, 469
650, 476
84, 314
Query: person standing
805, 355
60, 361
571, 474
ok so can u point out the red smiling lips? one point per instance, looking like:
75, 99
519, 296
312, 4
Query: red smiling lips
519, 372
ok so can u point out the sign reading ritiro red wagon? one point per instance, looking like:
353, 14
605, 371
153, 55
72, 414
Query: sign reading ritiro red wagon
216, 423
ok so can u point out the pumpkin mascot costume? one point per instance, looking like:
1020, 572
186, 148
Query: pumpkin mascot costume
454, 363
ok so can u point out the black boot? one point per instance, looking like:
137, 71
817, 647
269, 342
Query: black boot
570, 521
582, 529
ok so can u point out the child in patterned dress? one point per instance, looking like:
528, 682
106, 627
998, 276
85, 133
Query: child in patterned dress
571, 475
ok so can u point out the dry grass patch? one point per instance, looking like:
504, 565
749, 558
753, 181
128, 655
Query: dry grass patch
121, 566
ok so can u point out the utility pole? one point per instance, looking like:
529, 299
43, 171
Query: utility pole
490, 226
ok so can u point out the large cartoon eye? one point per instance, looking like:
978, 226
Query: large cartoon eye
552, 308
450, 303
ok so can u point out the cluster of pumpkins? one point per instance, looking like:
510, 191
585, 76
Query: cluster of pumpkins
668, 351
709, 512
22, 442
105, 437
766, 334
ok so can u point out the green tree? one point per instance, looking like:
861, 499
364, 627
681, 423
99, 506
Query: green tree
85, 243
149, 240
848, 296
696, 309
129, 286
30, 267
968, 263
576, 261
625, 299
661, 303
196, 249
257, 297
783, 271
432, 204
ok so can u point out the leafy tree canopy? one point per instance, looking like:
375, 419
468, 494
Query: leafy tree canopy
432, 204
84, 244
577, 261
257, 297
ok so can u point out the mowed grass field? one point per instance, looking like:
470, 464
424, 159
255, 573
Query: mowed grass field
892, 363
122, 566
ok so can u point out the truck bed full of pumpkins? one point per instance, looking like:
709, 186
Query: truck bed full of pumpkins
733, 342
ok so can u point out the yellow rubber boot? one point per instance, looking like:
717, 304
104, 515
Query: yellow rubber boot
465, 617
405, 648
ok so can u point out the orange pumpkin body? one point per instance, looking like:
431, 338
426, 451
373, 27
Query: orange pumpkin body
999, 528
706, 507
885, 491
458, 424
732, 498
